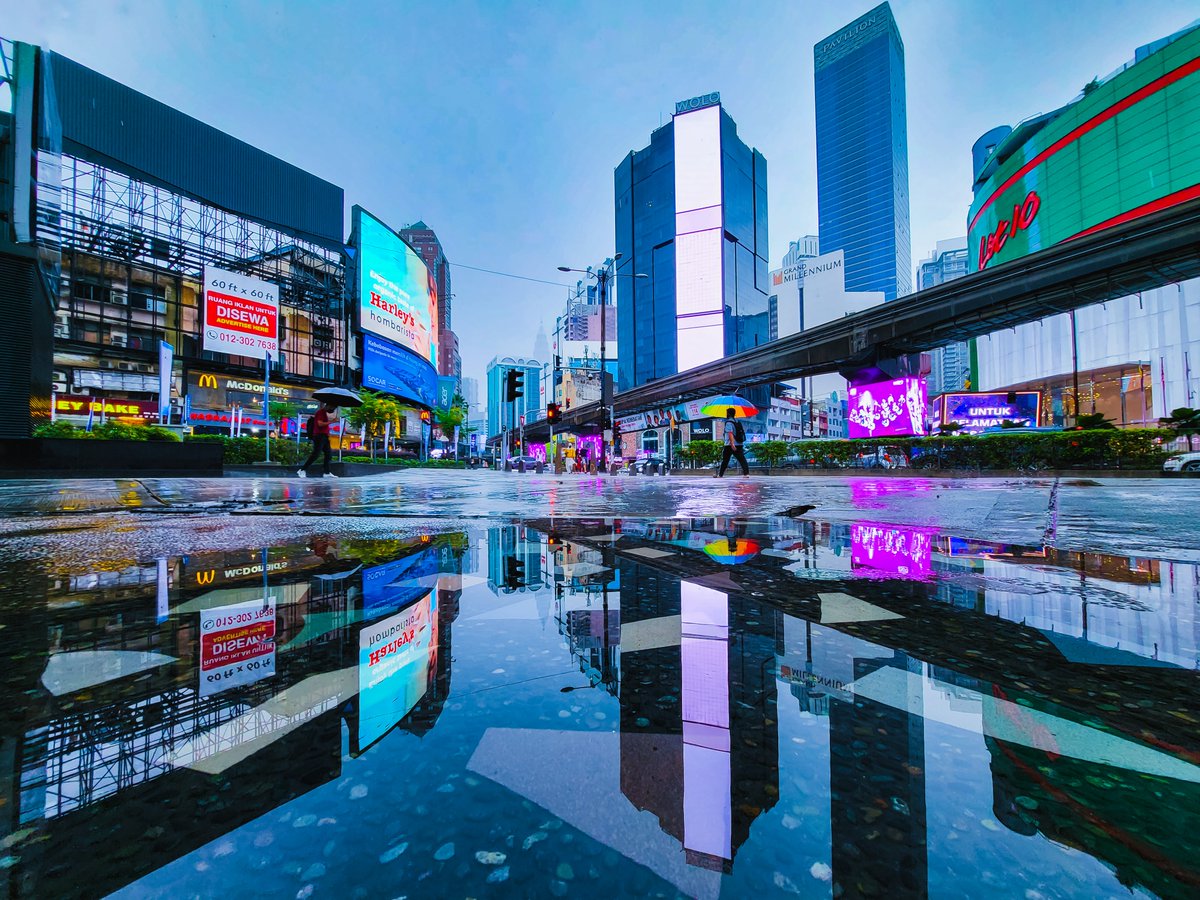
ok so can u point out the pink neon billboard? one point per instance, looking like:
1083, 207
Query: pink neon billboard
888, 408
886, 549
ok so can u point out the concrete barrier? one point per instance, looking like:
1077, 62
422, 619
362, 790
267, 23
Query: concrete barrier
88, 458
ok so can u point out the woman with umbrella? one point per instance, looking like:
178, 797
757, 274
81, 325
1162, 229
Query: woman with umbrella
735, 433
318, 425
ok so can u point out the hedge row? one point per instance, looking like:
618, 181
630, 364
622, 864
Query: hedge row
1104, 448
109, 431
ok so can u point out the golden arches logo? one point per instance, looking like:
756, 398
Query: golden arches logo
208, 381
206, 577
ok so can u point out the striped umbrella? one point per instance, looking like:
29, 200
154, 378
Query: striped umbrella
733, 552
719, 406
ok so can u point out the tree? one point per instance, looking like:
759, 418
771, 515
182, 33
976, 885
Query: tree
1093, 421
448, 419
949, 427
771, 453
280, 410
376, 411
1184, 421
703, 452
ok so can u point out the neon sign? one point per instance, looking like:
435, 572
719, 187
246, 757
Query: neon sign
1023, 214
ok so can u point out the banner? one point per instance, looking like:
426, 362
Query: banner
241, 314
166, 359
237, 645
446, 385
390, 368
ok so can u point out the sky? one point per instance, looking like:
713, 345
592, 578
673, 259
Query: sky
499, 124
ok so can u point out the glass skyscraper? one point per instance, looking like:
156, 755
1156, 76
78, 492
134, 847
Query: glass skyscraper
951, 368
691, 213
862, 153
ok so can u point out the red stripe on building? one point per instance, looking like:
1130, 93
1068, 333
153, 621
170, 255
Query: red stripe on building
1095, 121
1145, 209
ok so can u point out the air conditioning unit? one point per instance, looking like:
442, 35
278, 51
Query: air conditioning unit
118, 340
143, 367
59, 387
105, 364
62, 331
118, 296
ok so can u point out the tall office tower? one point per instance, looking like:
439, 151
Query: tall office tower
862, 153
691, 214
951, 365
426, 243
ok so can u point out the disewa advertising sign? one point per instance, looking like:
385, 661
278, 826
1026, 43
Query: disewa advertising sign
237, 645
1129, 148
241, 314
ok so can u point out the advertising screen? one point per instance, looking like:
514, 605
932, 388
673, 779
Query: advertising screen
1111, 157
237, 645
397, 298
389, 367
902, 552
241, 314
393, 586
393, 668
887, 408
977, 412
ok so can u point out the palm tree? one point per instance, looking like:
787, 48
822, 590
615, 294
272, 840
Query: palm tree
1184, 421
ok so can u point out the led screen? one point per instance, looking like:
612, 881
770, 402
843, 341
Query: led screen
397, 298
903, 552
1113, 156
977, 412
887, 408
390, 368
393, 668
393, 586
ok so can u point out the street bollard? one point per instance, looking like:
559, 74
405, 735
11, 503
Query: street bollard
521, 466
540, 468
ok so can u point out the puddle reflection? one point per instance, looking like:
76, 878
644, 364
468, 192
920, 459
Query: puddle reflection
701, 706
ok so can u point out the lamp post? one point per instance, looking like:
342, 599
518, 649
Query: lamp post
602, 276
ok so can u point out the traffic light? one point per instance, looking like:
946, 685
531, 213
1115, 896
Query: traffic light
514, 384
552, 413
605, 419
514, 573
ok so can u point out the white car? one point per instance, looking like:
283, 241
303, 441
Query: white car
1182, 463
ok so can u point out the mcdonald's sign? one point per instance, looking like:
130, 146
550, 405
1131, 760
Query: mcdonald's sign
203, 578
207, 381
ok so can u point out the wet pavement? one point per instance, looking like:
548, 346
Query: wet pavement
378, 688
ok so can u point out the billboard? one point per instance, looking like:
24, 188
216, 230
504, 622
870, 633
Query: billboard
393, 586
237, 645
241, 314
389, 367
397, 298
393, 668
887, 550
976, 412
887, 408
1116, 154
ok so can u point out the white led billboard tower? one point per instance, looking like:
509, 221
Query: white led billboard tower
699, 226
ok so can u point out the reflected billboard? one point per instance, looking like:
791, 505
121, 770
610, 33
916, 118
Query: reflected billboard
888, 550
397, 296
393, 586
976, 412
393, 668
390, 368
887, 408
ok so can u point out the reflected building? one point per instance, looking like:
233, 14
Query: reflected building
128, 705
699, 733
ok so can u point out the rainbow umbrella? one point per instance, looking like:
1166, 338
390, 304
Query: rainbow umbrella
718, 406
733, 552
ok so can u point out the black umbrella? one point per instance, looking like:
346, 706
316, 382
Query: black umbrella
336, 396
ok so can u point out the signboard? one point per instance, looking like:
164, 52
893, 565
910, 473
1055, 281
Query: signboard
241, 314
1106, 159
397, 295
887, 408
976, 412
393, 668
390, 368
712, 99
902, 552
446, 390
237, 645
702, 431
80, 405
166, 361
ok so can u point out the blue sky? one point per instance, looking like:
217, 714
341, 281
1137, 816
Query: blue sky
499, 124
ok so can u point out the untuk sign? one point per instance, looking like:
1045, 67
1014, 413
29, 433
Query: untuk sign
241, 314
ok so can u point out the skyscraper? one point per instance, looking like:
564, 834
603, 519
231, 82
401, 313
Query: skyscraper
951, 365
426, 243
691, 213
862, 153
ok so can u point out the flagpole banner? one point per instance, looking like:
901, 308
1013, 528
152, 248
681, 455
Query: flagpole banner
166, 360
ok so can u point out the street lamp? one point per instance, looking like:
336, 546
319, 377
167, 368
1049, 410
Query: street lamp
602, 275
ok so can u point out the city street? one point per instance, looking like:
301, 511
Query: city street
1135, 516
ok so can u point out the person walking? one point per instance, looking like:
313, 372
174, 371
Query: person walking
735, 439
318, 433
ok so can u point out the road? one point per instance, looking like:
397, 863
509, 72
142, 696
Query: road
1128, 516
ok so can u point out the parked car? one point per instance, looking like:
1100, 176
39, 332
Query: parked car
1182, 464
881, 458
530, 461
641, 465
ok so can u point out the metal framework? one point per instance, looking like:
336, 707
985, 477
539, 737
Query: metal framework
133, 251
